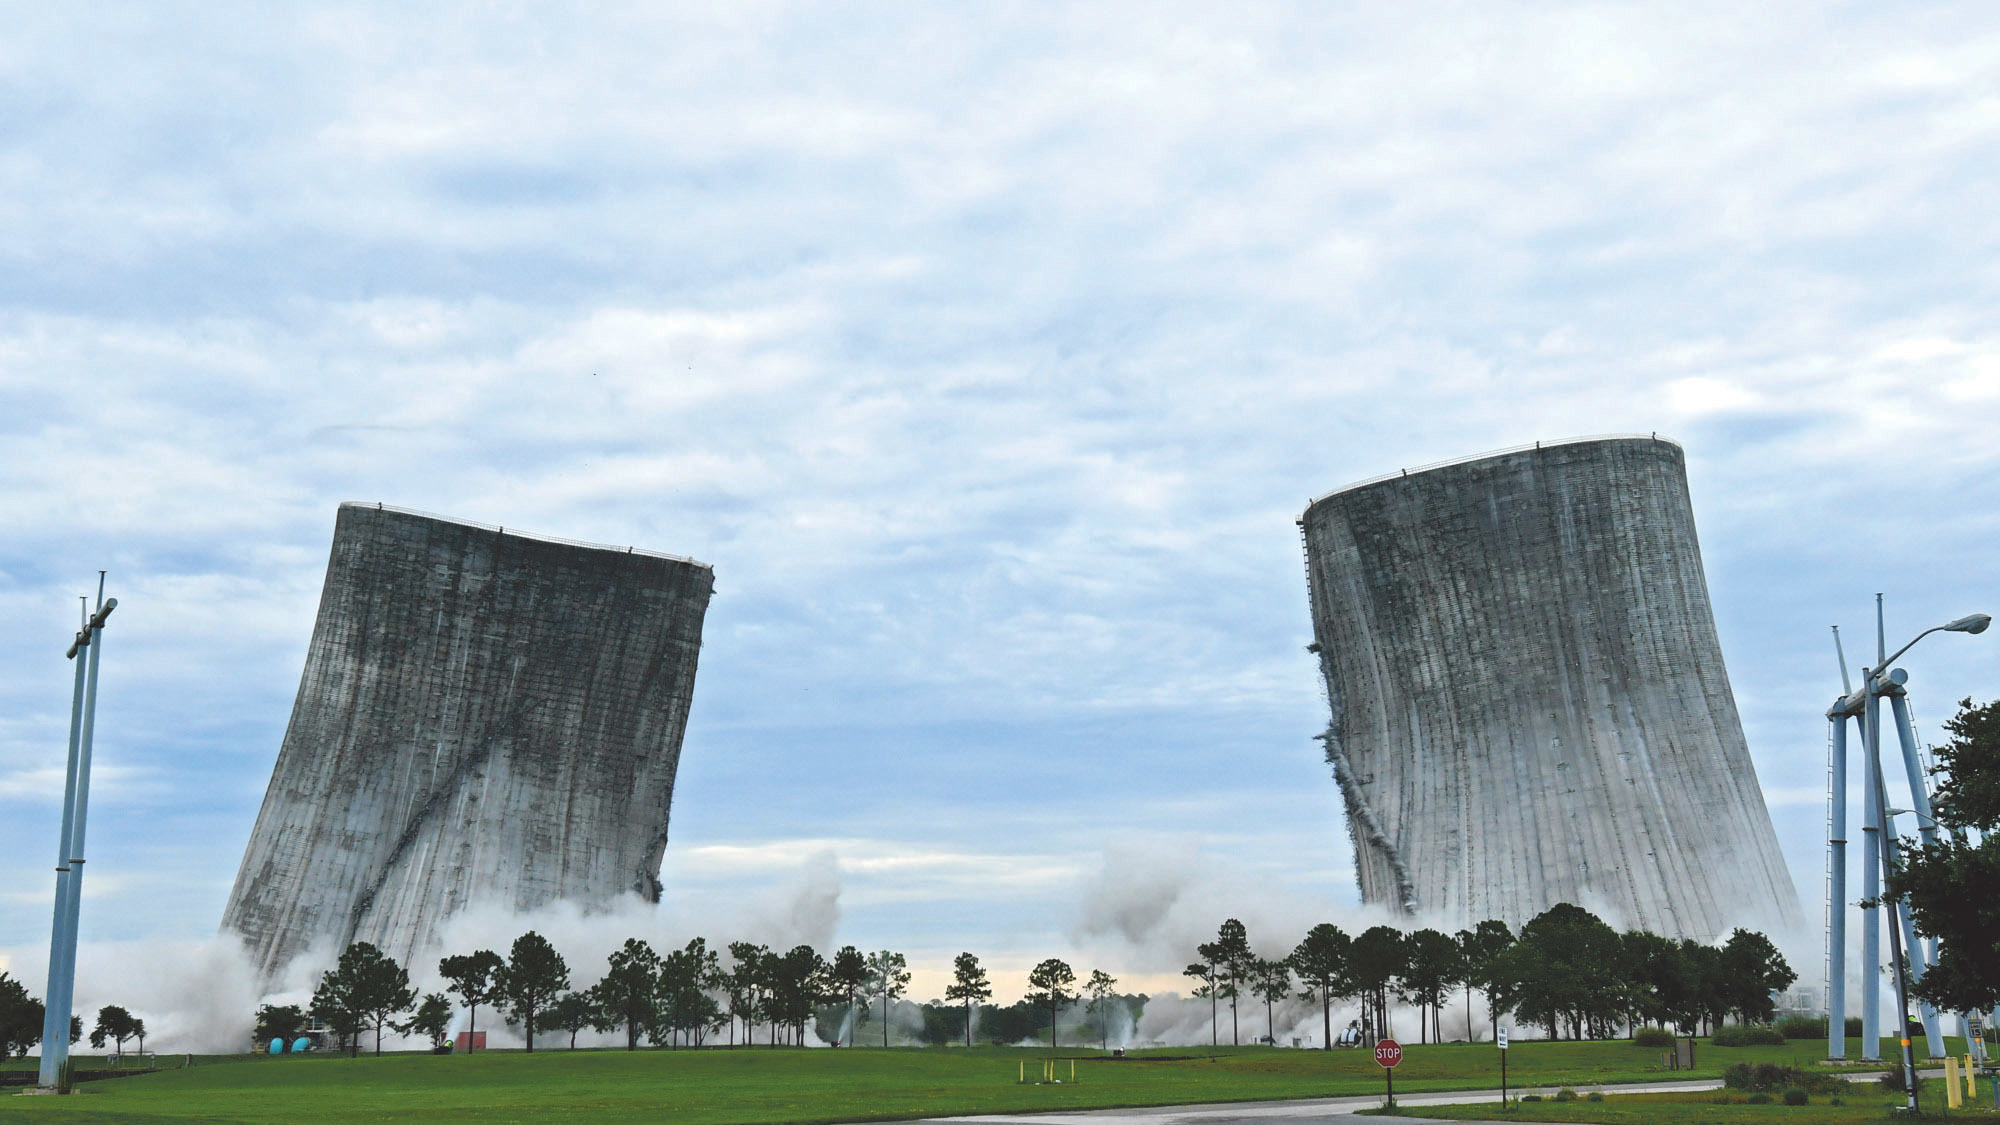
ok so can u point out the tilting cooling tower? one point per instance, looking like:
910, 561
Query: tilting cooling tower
1528, 699
484, 716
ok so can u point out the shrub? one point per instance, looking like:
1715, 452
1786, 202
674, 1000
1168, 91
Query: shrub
1764, 1077
1565, 1095
1796, 1096
1892, 1079
1757, 1099
1653, 1037
1802, 1027
1719, 1099
1751, 1036
1836, 1101
1594, 1097
1531, 1097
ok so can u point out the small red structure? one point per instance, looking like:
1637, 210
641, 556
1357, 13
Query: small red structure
468, 1041
1388, 1052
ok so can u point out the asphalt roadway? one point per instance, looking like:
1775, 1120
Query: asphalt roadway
1319, 1111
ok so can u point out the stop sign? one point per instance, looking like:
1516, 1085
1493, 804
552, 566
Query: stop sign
1388, 1052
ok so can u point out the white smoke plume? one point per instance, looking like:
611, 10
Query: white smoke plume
202, 996
806, 911
1140, 916
906, 1024
1151, 903
194, 996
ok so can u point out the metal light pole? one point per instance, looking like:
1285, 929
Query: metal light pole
1836, 869
85, 650
1881, 853
1898, 919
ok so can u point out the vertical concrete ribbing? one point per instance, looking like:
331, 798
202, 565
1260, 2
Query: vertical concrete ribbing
1531, 700
482, 717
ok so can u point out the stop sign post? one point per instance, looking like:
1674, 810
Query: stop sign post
1388, 1053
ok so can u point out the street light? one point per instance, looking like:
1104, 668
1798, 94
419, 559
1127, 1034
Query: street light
1879, 853
1971, 623
1872, 686
56, 1005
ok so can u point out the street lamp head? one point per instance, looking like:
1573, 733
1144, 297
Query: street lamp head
1975, 623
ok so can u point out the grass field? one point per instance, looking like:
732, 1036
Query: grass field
722, 1087
1865, 1103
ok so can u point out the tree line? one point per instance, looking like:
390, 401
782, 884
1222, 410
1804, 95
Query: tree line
1566, 970
682, 997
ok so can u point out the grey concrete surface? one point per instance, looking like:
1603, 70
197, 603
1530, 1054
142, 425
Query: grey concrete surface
483, 716
1322, 1110
1343, 1109
1527, 694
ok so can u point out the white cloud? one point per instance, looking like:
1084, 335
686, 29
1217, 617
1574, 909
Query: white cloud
45, 783
988, 356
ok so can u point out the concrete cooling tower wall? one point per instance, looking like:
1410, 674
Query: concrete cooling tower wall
484, 716
1528, 699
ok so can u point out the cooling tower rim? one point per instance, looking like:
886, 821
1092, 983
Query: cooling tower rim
375, 506
1586, 439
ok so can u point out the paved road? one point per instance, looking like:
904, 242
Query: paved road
1294, 1112
1317, 1111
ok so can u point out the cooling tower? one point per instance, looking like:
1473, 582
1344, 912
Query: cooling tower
1528, 699
484, 716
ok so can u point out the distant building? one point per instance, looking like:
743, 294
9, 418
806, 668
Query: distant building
1528, 702
1801, 1000
484, 715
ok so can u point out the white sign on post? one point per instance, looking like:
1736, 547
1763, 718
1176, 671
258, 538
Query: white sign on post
1503, 1037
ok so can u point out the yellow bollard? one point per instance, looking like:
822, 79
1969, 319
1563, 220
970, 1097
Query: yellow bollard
1072, 1071
1951, 1096
1023, 1080
1971, 1081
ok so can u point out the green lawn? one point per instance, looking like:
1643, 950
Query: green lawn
1865, 1103
723, 1087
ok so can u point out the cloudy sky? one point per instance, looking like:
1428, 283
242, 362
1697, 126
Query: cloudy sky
988, 353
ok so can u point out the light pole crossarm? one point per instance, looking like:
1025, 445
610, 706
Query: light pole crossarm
1971, 623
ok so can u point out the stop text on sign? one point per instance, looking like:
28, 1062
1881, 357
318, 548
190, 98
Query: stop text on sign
1388, 1052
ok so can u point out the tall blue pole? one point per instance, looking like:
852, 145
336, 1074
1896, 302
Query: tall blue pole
1913, 769
1899, 917
1836, 905
62, 983
55, 1026
1871, 892
1881, 858
1897, 933
1923, 954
